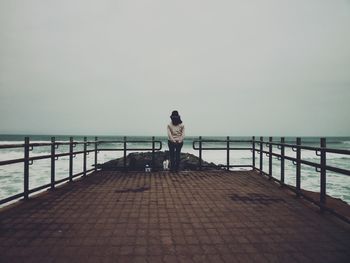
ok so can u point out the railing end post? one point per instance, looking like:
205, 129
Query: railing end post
200, 153
84, 156
261, 154
70, 159
253, 152
53, 153
153, 154
298, 167
26, 168
95, 161
228, 153
124, 150
282, 160
323, 173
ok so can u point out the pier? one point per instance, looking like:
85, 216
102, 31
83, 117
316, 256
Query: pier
208, 216
190, 216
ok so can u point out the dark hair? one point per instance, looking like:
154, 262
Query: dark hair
175, 118
176, 121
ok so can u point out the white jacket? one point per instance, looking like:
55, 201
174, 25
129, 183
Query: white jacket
176, 133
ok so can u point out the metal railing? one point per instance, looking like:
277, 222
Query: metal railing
28, 160
281, 156
228, 143
255, 146
297, 161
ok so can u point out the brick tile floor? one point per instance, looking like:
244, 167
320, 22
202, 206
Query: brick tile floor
163, 217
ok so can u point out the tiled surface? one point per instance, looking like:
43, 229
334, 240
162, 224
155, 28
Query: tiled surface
165, 217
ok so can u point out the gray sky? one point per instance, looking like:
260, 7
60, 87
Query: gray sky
247, 67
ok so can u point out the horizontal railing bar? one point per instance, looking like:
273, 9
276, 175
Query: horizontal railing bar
77, 174
90, 170
61, 143
34, 158
289, 158
337, 151
224, 148
11, 198
304, 147
61, 180
205, 141
40, 157
128, 149
8, 146
81, 173
56, 155
316, 165
130, 141
110, 150
235, 165
224, 165
4, 146
337, 170
42, 187
142, 149
20, 160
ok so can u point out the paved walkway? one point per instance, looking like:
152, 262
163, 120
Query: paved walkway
163, 217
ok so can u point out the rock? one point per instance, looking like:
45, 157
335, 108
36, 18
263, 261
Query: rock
138, 160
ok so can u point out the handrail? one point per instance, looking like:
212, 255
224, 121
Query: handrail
27, 160
227, 148
8, 146
297, 160
255, 146
304, 147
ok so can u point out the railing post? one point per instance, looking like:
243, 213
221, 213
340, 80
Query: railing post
323, 173
26, 168
298, 168
53, 152
253, 152
95, 167
200, 152
124, 160
84, 157
261, 154
282, 160
228, 153
270, 157
153, 155
71, 159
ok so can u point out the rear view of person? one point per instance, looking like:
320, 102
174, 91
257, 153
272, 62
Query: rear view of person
176, 134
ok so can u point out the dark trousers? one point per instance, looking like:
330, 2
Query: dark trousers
174, 150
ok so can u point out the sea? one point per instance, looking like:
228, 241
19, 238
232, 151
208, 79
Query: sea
11, 176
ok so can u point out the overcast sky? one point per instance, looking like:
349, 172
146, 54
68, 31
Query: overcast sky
246, 67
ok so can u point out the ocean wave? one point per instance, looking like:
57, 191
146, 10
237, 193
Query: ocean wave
10, 155
11, 142
328, 158
21, 142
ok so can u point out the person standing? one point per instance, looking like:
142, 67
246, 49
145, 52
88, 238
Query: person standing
176, 135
